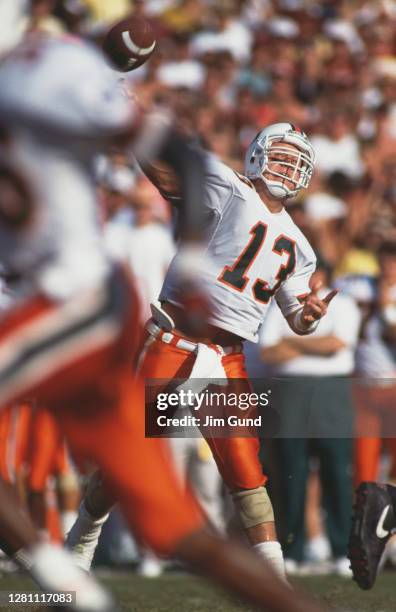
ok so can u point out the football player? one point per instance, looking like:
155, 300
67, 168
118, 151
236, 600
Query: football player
256, 253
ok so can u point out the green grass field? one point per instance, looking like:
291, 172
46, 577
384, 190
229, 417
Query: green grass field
180, 593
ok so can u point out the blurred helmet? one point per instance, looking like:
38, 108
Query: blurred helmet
283, 168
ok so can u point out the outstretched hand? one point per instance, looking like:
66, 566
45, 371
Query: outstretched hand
314, 307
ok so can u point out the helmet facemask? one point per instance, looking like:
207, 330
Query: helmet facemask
283, 160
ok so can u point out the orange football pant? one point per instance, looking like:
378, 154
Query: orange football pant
137, 470
99, 405
47, 450
14, 435
237, 458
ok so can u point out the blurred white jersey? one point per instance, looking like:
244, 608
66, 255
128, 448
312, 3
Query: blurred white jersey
255, 255
59, 102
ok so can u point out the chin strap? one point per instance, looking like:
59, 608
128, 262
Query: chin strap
277, 190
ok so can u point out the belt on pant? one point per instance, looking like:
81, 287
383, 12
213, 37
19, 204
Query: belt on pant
187, 345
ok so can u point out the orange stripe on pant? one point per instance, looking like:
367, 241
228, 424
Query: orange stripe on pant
45, 441
14, 435
236, 458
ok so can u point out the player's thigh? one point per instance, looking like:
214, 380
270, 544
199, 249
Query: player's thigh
238, 462
238, 457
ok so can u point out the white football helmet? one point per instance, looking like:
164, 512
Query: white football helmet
284, 169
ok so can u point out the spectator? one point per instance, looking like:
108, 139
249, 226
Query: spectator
41, 19
107, 11
336, 145
228, 33
320, 405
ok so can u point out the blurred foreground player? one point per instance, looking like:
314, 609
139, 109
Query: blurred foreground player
373, 524
70, 333
71, 337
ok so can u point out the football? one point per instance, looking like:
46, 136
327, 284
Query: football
129, 43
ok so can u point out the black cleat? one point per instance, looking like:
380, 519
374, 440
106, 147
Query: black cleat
372, 523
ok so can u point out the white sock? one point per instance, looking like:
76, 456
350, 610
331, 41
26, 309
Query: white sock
68, 518
272, 552
83, 537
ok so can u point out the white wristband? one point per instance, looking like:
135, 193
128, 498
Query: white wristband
301, 327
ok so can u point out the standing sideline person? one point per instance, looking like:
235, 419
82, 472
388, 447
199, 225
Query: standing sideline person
314, 400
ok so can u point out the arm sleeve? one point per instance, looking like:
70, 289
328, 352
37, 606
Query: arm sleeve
294, 288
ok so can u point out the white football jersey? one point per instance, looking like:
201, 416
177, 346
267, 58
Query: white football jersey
255, 256
60, 101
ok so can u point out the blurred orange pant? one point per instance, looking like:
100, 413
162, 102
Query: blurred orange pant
14, 436
79, 366
237, 458
47, 452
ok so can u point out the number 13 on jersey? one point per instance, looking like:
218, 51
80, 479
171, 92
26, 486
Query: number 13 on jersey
236, 276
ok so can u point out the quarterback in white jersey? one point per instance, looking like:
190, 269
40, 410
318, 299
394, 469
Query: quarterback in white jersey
256, 252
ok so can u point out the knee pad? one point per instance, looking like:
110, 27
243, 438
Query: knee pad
253, 506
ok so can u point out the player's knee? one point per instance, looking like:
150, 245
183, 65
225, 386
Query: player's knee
253, 506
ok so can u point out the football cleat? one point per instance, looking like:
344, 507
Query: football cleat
373, 522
